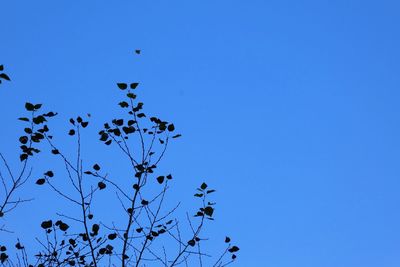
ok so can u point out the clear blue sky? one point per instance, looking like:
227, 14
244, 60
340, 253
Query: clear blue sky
290, 109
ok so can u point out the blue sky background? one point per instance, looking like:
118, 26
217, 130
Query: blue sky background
290, 109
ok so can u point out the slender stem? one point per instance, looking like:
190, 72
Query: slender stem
82, 197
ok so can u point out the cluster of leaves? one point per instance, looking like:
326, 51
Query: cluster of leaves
71, 249
3, 76
207, 211
33, 135
3, 254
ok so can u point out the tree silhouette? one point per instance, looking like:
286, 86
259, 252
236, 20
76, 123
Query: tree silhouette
145, 230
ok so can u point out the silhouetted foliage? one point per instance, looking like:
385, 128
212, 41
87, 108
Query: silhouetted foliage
144, 227
3, 76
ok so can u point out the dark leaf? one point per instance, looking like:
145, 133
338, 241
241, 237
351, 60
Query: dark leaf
37, 137
23, 157
3, 257
154, 119
63, 226
233, 249
203, 186
40, 181
4, 76
138, 107
160, 179
171, 127
29, 106
37, 106
117, 132
119, 122
47, 224
96, 167
23, 139
209, 211
134, 85
123, 104
199, 213
39, 119
95, 228
50, 114
191, 243
104, 137
122, 86
49, 173
101, 185
112, 236
153, 233
131, 95
128, 130
28, 130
